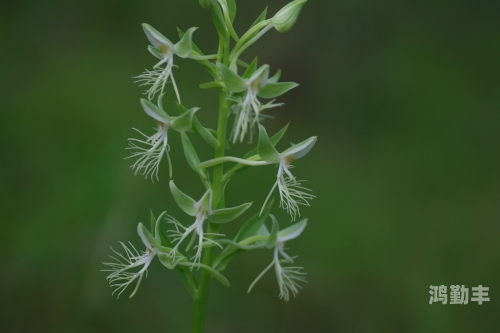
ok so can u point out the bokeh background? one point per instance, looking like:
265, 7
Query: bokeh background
403, 95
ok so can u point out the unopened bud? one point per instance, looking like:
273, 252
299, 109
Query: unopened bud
285, 19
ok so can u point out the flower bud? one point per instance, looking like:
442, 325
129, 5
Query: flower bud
287, 16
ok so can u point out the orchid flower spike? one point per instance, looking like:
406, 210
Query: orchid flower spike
149, 158
288, 277
121, 276
292, 192
162, 48
246, 90
201, 210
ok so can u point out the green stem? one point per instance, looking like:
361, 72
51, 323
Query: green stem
201, 300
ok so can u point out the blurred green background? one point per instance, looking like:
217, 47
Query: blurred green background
403, 95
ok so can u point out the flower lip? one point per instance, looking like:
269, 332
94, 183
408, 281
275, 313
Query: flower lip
154, 111
301, 149
156, 38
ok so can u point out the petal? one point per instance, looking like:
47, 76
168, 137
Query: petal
300, 149
155, 37
292, 231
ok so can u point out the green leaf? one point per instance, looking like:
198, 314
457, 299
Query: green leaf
232, 81
274, 140
261, 17
231, 4
199, 129
292, 231
212, 84
169, 261
195, 48
228, 214
251, 69
273, 236
191, 156
265, 148
184, 201
252, 225
184, 122
275, 77
272, 90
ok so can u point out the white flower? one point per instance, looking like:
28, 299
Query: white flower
121, 276
254, 83
156, 145
201, 210
164, 49
288, 277
292, 192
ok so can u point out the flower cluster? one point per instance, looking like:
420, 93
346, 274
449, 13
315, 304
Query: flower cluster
184, 245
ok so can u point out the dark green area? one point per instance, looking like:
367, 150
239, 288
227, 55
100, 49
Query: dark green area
403, 95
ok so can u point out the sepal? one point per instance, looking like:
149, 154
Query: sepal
155, 37
147, 238
300, 149
228, 214
275, 77
232, 81
250, 69
170, 261
185, 46
272, 90
252, 226
154, 111
184, 122
292, 231
260, 76
265, 148
274, 140
184, 201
